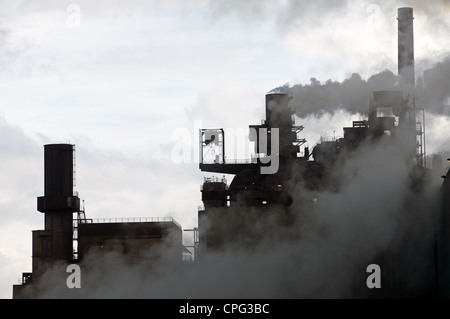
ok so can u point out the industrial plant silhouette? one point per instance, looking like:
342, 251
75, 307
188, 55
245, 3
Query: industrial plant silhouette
284, 202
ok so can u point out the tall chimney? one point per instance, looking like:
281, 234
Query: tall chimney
55, 242
406, 48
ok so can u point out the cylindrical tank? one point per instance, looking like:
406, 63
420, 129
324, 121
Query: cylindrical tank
278, 111
279, 115
58, 170
214, 194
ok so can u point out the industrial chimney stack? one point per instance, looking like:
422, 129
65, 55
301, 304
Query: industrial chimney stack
55, 242
406, 48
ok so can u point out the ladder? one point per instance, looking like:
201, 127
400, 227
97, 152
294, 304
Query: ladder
81, 219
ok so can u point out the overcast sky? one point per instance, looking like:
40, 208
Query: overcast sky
122, 79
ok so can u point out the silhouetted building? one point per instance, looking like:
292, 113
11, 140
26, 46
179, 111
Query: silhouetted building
256, 207
69, 240
137, 239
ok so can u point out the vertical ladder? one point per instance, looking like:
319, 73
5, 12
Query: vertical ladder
74, 165
81, 219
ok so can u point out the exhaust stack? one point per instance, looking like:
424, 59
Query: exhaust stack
406, 48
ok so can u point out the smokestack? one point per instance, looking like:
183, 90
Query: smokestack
58, 204
406, 48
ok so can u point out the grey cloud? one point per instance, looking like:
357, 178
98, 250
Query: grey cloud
304, 14
284, 14
434, 91
19, 164
245, 9
15, 142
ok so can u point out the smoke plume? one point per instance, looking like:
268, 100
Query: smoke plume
434, 88
353, 94
377, 213
324, 254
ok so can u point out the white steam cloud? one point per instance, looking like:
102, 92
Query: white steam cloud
374, 212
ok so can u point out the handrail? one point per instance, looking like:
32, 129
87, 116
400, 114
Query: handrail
228, 161
134, 220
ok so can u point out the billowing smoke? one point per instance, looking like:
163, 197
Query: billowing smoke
292, 13
377, 212
434, 88
324, 254
380, 211
352, 94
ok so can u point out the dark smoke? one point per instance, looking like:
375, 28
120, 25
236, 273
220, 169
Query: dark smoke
434, 88
352, 94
